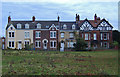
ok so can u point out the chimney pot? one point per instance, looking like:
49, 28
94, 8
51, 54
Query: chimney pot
9, 19
33, 18
58, 18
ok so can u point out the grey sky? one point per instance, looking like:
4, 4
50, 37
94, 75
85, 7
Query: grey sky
66, 11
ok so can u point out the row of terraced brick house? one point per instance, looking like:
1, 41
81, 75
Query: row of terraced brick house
55, 35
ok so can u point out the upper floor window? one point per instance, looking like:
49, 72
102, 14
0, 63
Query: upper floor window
52, 34
62, 35
27, 34
86, 36
38, 25
19, 26
71, 35
73, 26
27, 26
105, 36
11, 34
95, 36
37, 34
64, 26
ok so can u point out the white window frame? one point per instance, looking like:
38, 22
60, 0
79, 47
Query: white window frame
64, 26
86, 36
105, 36
11, 34
53, 43
95, 36
108, 36
11, 44
39, 44
39, 26
71, 35
53, 34
101, 36
89, 36
73, 26
101, 44
27, 34
26, 26
71, 44
82, 35
106, 45
26, 41
68, 44
62, 34
38, 34
19, 26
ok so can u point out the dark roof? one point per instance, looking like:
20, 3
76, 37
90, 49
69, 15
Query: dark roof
69, 25
47, 24
33, 25
93, 23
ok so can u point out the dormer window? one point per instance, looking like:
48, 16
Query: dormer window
19, 26
73, 26
64, 26
39, 25
27, 26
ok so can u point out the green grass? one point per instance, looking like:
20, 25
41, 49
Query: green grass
59, 63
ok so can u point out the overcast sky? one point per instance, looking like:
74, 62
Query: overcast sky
46, 10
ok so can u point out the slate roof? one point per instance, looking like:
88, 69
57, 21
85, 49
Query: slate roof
69, 25
59, 25
33, 25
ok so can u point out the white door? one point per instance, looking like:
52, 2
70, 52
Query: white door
2, 46
62, 47
45, 44
19, 45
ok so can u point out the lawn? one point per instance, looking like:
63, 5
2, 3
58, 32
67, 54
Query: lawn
60, 63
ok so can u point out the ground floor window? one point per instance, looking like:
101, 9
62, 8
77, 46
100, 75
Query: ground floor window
70, 44
11, 44
105, 44
27, 42
37, 44
53, 44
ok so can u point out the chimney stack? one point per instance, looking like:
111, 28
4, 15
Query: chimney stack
33, 18
9, 19
95, 18
58, 18
78, 18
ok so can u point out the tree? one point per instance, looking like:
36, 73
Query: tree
80, 42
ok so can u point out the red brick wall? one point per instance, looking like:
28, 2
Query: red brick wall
45, 34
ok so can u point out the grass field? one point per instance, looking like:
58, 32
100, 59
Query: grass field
59, 63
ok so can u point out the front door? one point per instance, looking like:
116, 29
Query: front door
19, 45
62, 47
45, 44
3, 46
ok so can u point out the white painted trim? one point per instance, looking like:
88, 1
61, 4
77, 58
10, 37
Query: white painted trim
53, 43
53, 34
37, 42
11, 26
11, 34
27, 41
11, 43
35, 34
53, 26
25, 36
44, 40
